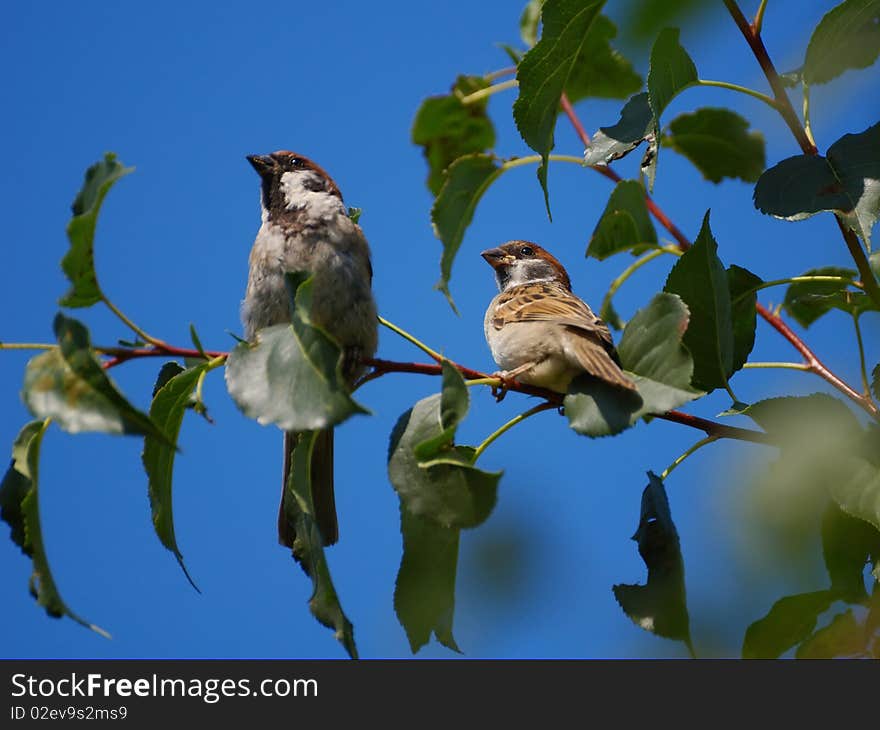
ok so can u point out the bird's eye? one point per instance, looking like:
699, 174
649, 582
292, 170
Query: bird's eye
526, 251
296, 163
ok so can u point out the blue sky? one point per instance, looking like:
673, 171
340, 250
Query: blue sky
184, 92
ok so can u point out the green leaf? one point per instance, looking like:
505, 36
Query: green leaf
308, 546
699, 278
643, 17
846, 182
20, 509
842, 637
652, 352
790, 621
355, 214
718, 143
172, 395
847, 545
424, 593
69, 386
78, 263
197, 343
857, 489
743, 286
625, 223
446, 129
600, 71
636, 125
529, 22
847, 37
659, 606
788, 418
435, 479
544, 73
875, 380
807, 301
671, 72
291, 376
466, 181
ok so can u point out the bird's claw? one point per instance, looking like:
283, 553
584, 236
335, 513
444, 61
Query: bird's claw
500, 391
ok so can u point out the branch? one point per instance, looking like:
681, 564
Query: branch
120, 355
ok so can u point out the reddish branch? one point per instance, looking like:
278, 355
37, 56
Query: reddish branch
120, 355
810, 359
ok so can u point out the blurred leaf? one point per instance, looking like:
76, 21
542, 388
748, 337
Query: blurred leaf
875, 380
643, 17
625, 223
718, 143
308, 546
743, 298
846, 37
435, 479
636, 125
446, 129
69, 385
659, 606
78, 263
529, 22
856, 489
20, 509
609, 314
699, 278
291, 375
847, 544
197, 343
466, 181
652, 352
789, 418
806, 301
545, 71
355, 214
600, 71
842, 637
846, 181
789, 622
172, 395
424, 593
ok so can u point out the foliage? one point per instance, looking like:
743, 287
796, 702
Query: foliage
693, 337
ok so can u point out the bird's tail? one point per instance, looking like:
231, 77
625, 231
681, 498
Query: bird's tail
323, 497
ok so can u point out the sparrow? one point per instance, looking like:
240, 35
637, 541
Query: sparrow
306, 227
538, 330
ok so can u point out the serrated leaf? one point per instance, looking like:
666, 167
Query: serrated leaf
434, 479
847, 544
807, 301
446, 129
600, 71
789, 622
786, 417
846, 181
78, 263
842, 637
671, 71
652, 352
544, 73
68, 385
424, 592
20, 509
308, 546
453, 210
636, 125
291, 376
699, 278
659, 606
172, 395
743, 286
846, 37
718, 143
625, 224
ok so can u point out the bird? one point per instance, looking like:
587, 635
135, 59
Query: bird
538, 330
306, 227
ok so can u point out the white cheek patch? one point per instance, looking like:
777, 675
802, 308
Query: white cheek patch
305, 188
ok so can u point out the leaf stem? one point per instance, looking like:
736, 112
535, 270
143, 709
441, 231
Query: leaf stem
783, 365
495, 382
798, 279
768, 100
481, 94
26, 346
500, 73
696, 447
758, 22
509, 425
805, 89
865, 383
409, 338
137, 330
633, 267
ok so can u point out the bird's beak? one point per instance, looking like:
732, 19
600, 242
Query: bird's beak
495, 257
263, 164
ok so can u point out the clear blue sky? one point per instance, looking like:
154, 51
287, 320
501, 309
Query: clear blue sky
184, 92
